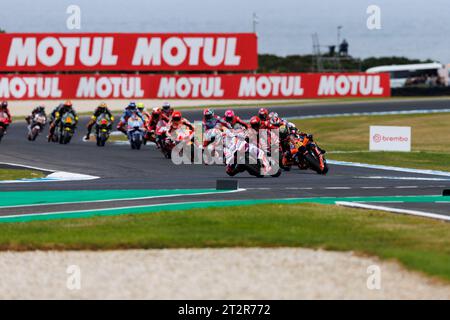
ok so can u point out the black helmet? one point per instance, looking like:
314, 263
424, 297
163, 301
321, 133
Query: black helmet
4, 104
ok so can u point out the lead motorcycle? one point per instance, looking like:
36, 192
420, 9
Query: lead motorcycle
306, 154
135, 131
36, 126
4, 122
241, 156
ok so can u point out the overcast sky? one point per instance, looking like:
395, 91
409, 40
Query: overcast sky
414, 28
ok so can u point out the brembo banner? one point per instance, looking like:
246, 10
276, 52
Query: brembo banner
236, 86
34, 52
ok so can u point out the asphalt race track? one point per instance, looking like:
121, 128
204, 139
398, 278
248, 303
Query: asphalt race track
119, 167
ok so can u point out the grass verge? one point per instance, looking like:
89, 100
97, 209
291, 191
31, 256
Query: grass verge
419, 244
15, 174
350, 135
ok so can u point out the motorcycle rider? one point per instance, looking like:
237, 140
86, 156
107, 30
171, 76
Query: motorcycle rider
154, 118
167, 111
4, 108
211, 121
38, 110
141, 107
100, 110
234, 120
177, 121
263, 115
127, 113
57, 114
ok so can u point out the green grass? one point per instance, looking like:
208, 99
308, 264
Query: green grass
430, 139
14, 174
419, 244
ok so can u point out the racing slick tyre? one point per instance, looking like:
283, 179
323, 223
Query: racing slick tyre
254, 170
65, 138
33, 134
101, 141
2, 133
313, 163
277, 174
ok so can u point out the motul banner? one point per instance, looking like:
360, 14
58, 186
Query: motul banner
236, 86
34, 52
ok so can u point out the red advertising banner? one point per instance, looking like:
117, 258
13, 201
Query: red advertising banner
34, 52
236, 86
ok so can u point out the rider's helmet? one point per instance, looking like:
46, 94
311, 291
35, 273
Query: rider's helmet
293, 130
41, 109
255, 123
156, 112
131, 106
291, 125
208, 114
68, 104
263, 114
275, 121
166, 107
102, 107
229, 116
4, 104
273, 115
140, 107
176, 116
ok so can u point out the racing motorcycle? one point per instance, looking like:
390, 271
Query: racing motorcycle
254, 160
36, 126
135, 132
161, 137
4, 122
306, 155
102, 129
180, 135
66, 128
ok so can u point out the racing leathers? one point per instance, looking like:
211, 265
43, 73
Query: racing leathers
5, 110
125, 116
34, 112
215, 122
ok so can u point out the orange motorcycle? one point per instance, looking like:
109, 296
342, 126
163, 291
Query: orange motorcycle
306, 155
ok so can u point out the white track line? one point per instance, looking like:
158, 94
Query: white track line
402, 178
338, 188
121, 199
389, 168
380, 113
395, 210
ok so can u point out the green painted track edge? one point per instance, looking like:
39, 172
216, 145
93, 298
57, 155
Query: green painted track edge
210, 204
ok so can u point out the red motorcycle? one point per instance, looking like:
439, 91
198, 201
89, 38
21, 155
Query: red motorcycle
180, 135
4, 123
